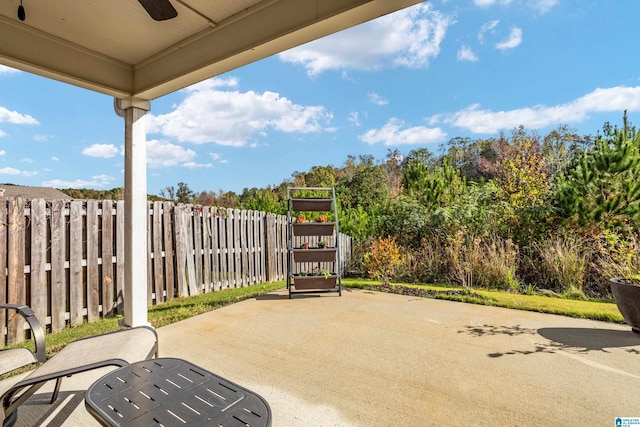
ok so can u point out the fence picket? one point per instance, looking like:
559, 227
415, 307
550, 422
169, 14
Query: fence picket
156, 249
169, 253
16, 292
107, 259
76, 292
231, 268
206, 245
92, 283
198, 252
216, 245
58, 267
189, 241
38, 273
224, 249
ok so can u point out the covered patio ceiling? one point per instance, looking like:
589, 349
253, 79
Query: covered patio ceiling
116, 48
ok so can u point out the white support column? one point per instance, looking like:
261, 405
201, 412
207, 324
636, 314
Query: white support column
135, 210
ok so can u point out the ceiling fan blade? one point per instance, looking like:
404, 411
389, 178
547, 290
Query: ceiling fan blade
159, 10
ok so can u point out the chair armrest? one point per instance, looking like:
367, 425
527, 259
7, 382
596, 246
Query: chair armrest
36, 328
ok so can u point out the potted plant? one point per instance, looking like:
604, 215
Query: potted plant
626, 292
322, 244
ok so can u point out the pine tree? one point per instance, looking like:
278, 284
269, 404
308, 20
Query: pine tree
601, 185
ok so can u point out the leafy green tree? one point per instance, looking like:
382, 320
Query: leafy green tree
364, 185
264, 200
321, 176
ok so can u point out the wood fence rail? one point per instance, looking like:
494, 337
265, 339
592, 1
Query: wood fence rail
65, 259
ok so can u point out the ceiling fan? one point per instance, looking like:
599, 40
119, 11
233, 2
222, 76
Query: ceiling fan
159, 10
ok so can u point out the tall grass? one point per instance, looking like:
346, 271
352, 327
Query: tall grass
495, 263
425, 264
563, 264
568, 263
483, 262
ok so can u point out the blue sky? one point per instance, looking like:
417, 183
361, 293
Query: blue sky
413, 79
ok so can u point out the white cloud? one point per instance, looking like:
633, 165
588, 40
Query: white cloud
543, 6
8, 70
514, 39
487, 3
214, 83
26, 160
10, 171
96, 181
194, 165
354, 118
408, 38
2, 133
540, 6
600, 100
218, 158
391, 134
466, 54
164, 154
14, 171
376, 99
233, 118
2, 152
55, 159
42, 138
16, 118
487, 27
101, 150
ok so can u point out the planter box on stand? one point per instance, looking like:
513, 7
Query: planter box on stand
309, 205
314, 255
314, 282
313, 228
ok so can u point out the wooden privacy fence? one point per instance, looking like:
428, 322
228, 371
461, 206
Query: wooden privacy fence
65, 259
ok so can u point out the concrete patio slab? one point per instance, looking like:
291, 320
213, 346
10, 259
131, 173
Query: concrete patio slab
370, 358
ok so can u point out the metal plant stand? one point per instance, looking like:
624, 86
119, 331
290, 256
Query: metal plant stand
313, 242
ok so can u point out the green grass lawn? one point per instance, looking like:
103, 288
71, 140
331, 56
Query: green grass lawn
596, 310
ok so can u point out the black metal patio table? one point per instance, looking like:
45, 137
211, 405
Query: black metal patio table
173, 392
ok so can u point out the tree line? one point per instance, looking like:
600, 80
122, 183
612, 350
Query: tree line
518, 211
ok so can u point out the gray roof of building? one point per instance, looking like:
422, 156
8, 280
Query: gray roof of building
31, 192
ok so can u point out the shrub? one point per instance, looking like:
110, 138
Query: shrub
612, 254
383, 259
